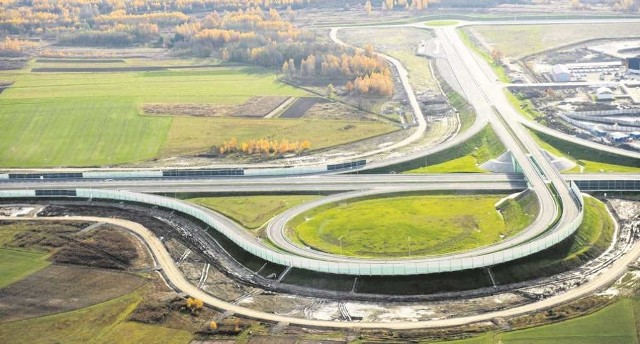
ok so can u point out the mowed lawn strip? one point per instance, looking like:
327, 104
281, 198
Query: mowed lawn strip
102, 323
404, 226
17, 264
252, 211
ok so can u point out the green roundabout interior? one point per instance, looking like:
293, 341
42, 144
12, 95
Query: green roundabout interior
400, 226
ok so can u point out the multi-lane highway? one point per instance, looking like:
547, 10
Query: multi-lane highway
309, 184
560, 205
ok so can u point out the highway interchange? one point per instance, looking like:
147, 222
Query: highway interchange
487, 97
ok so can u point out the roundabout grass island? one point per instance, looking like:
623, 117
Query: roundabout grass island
401, 226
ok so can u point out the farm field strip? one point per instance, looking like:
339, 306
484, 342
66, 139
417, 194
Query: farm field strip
85, 119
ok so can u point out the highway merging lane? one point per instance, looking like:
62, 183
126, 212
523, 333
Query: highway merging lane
490, 103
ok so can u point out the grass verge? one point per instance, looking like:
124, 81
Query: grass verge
441, 22
591, 239
497, 67
466, 157
591, 160
252, 211
523, 106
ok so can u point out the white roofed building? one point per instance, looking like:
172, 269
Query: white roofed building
560, 73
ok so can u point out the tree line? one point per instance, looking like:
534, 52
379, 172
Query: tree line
267, 39
263, 147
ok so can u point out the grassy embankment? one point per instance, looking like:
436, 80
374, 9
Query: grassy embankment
466, 157
87, 119
252, 211
497, 68
403, 226
589, 160
399, 43
591, 239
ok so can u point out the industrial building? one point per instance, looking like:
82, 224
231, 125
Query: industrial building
633, 65
560, 73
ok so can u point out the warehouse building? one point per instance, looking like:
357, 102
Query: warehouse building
633, 65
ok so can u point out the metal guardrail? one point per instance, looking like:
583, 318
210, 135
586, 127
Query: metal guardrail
178, 173
354, 268
609, 185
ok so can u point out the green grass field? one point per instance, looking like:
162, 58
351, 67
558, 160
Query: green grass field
102, 323
92, 119
520, 40
17, 264
592, 161
193, 134
613, 324
405, 225
441, 22
252, 211
466, 157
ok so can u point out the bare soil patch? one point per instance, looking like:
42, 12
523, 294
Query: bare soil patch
8, 63
258, 107
95, 70
114, 69
108, 248
103, 247
301, 106
61, 288
337, 111
187, 109
79, 60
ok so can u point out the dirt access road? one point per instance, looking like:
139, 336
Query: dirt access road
176, 278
